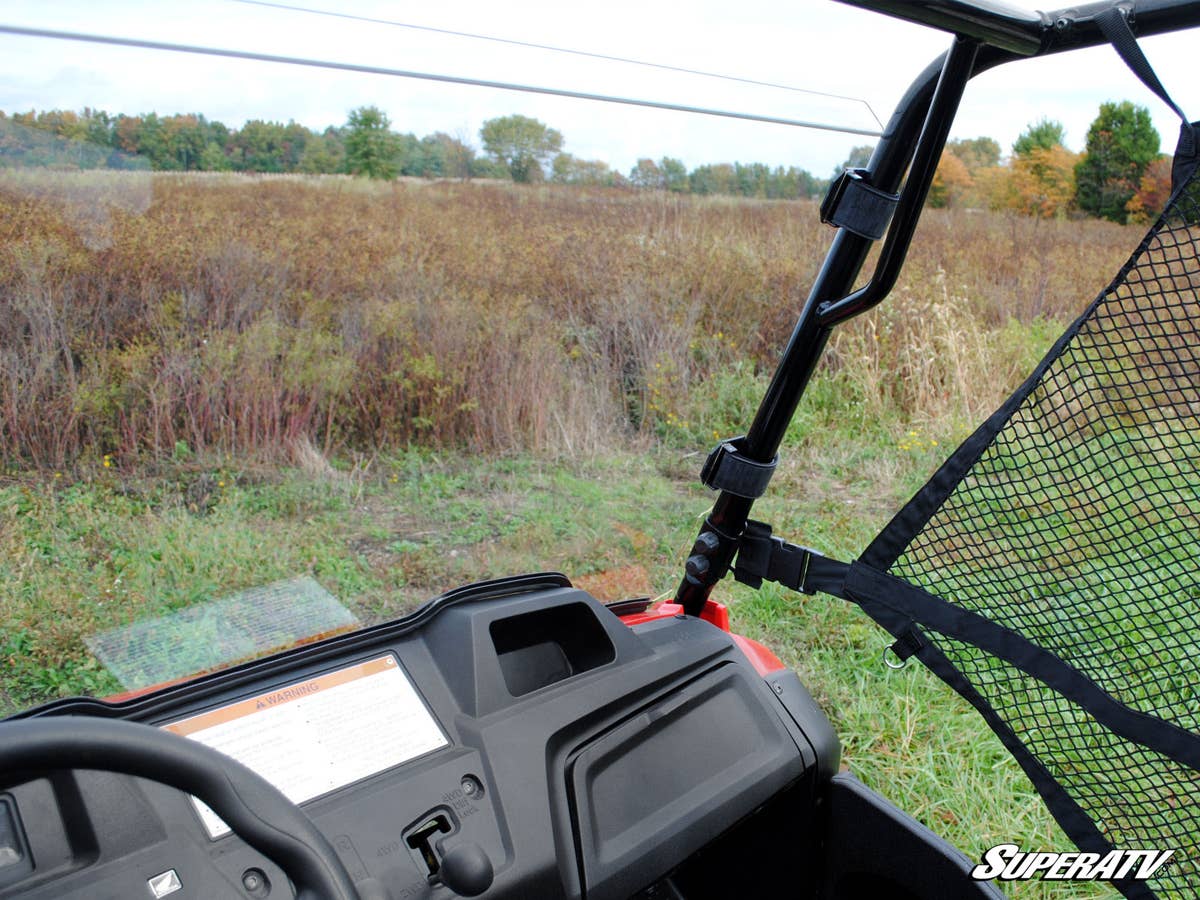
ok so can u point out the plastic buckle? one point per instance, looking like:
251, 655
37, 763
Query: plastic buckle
854, 204
755, 549
763, 557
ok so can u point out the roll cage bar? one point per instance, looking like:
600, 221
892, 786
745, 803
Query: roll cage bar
986, 34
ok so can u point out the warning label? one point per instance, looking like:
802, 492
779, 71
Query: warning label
322, 734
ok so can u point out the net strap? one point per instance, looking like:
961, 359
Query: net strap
1115, 27
903, 609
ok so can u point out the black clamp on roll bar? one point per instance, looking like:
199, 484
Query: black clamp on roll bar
729, 469
855, 204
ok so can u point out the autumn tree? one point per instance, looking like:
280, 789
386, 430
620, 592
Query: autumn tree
1039, 180
951, 181
562, 169
751, 179
568, 169
976, 153
1043, 181
125, 132
1153, 192
1042, 134
457, 156
1121, 143
371, 147
258, 146
295, 138
666, 174
675, 174
213, 159
184, 140
24, 145
980, 156
152, 143
713, 179
647, 174
521, 145
324, 153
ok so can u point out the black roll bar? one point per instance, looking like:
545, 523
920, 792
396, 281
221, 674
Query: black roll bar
987, 33
1001, 25
911, 130
1031, 32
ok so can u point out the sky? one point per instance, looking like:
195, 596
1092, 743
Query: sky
813, 44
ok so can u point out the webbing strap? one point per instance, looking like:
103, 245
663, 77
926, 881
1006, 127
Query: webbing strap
1114, 26
898, 606
764, 557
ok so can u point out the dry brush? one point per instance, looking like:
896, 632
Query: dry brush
141, 313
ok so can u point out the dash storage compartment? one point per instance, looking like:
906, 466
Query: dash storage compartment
539, 648
667, 781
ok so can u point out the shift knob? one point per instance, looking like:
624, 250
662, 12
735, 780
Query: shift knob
466, 870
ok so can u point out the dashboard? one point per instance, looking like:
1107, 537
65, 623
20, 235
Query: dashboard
511, 739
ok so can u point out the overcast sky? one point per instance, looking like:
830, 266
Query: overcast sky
814, 44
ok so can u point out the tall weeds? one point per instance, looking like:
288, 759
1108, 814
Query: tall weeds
253, 316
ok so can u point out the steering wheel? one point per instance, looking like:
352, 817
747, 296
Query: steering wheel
256, 810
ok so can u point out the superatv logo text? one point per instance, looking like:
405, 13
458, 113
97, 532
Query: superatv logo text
1009, 863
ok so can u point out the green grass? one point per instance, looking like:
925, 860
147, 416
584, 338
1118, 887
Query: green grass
117, 547
105, 547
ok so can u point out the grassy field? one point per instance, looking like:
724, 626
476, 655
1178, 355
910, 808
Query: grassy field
399, 389
383, 537
77, 558
139, 314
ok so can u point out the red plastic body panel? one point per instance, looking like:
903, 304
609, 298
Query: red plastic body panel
764, 661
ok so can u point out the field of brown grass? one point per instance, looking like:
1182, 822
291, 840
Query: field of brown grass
145, 315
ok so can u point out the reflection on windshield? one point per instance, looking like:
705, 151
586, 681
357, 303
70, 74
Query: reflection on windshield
84, 182
210, 636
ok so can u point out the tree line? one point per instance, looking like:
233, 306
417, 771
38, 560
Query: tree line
192, 142
1120, 175
511, 147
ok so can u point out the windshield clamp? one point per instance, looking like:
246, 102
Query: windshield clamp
728, 469
854, 204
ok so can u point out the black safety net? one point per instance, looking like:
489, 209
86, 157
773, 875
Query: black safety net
1050, 570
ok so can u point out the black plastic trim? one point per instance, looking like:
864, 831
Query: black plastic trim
335, 647
258, 812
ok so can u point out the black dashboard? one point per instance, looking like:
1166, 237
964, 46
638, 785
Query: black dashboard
511, 739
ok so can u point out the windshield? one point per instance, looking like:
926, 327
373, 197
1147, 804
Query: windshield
285, 351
